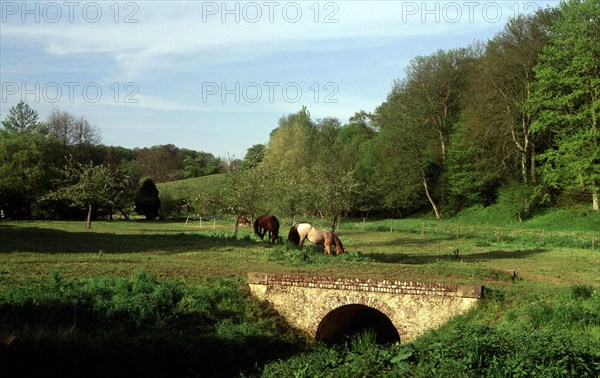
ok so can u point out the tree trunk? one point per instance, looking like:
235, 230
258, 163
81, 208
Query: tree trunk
431, 201
595, 201
88, 222
124, 214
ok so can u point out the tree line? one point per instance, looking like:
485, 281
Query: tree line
512, 120
55, 168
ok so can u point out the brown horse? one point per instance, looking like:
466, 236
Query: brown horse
301, 231
267, 223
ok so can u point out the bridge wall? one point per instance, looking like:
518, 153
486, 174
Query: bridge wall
412, 307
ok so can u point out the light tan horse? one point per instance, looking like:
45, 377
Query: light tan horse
302, 231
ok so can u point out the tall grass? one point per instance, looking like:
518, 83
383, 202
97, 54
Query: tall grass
137, 327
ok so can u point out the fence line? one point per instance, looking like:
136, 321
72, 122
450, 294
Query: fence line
497, 234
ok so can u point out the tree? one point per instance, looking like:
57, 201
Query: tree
566, 99
147, 202
161, 163
90, 186
199, 164
254, 155
20, 118
501, 82
26, 153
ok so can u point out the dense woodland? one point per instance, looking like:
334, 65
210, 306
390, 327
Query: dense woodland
511, 120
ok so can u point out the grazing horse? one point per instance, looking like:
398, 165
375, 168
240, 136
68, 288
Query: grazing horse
244, 220
301, 231
267, 223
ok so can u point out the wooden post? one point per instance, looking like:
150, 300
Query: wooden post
214, 224
200, 221
543, 237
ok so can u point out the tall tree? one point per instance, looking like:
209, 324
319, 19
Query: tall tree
411, 146
26, 153
254, 155
20, 117
501, 82
566, 99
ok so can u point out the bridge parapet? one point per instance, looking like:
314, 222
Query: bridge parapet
368, 285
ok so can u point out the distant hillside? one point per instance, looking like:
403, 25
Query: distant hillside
189, 188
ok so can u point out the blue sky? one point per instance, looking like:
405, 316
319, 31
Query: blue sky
216, 76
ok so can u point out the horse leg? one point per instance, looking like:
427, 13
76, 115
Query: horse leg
302, 237
327, 249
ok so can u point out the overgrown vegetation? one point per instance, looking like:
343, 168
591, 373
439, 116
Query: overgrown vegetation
137, 326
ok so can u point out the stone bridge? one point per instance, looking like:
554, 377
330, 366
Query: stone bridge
330, 309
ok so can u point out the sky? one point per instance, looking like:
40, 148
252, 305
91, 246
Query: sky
216, 76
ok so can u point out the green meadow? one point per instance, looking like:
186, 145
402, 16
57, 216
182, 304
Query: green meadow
169, 298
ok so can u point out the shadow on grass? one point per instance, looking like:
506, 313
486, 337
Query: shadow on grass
414, 258
44, 240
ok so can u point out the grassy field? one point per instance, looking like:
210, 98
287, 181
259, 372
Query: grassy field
64, 257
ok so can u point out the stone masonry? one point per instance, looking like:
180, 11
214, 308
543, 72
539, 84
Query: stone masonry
412, 307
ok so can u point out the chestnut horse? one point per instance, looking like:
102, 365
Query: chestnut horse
267, 223
301, 231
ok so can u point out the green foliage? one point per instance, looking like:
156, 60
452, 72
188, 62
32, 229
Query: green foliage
137, 326
202, 164
311, 255
566, 99
170, 205
20, 118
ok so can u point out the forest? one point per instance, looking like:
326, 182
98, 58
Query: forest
512, 120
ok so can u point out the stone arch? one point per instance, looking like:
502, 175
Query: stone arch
351, 319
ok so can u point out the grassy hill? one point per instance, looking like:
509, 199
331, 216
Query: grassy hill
189, 188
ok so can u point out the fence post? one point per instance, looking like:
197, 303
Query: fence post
543, 236
214, 224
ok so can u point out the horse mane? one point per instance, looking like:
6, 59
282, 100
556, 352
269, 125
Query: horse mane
293, 235
339, 248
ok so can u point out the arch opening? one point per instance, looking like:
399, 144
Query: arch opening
350, 320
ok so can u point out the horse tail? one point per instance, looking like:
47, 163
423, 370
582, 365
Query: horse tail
339, 248
294, 236
274, 229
